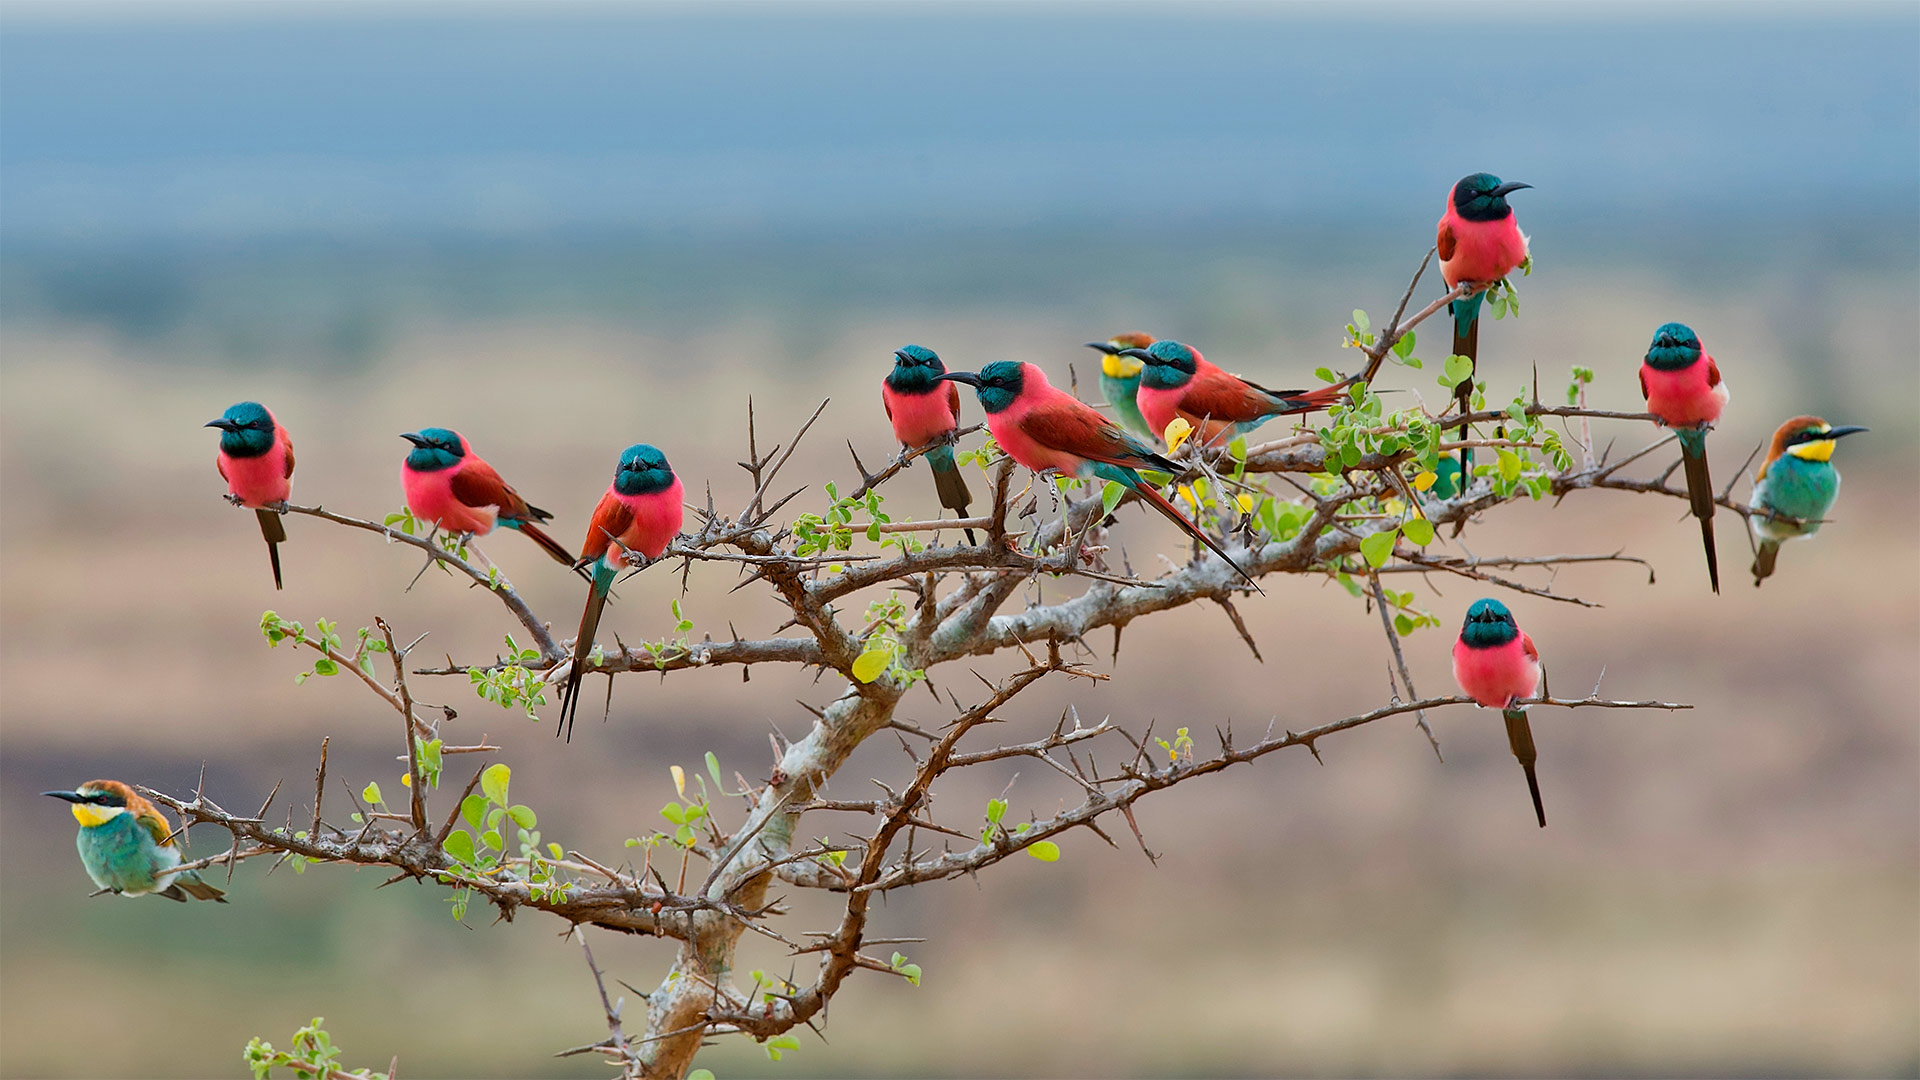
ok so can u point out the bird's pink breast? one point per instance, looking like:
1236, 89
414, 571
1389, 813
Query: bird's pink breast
1683, 397
258, 481
1484, 251
656, 520
1496, 675
1159, 405
919, 419
430, 497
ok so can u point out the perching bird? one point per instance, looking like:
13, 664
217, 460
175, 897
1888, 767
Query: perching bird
1043, 427
926, 412
1479, 242
1683, 388
256, 460
1497, 665
641, 511
1178, 381
449, 486
1120, 380
125, 842
1795, 488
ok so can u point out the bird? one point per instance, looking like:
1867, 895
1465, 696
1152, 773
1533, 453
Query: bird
256, 460
1479, 243
1043, 427
1120, 380
641, 511
1795, 488
925, 413
125, 842
1684, 390
1497, 666
448, 485
1178, 381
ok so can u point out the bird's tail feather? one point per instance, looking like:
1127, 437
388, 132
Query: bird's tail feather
191, 884
275, 532
1171, 513
583, 646
1693, 451
1520, 741
1466, 342
1763, 561
547, 543
948, 481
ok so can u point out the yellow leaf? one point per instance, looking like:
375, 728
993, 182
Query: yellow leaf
1186, 492
1424, 480
406, 779
679, 779
871, 664
1177, 432
1246, 502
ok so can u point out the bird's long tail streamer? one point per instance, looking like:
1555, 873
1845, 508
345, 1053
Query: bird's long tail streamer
275, 532
1693, 450
1129, 479
948, 481
583, 645
1520, 741
1763, 561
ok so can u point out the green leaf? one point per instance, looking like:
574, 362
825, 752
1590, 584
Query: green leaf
675, 813
911, 971
474, 809
996, 809
1044, 850
1418, 531
1360, 321
371, 793
324, 666
1377, 548
1459, 370
1324, 374
459, 846
1404, 347
1403, 625
494, 783
1510, 464
1110, 497
523, 816
700, 1074
871, 664
491, 838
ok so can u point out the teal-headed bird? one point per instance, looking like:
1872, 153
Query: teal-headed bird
1795, 488
1683, 387
1497, 665
925, 412
1120, 380
125, 843
1479, 242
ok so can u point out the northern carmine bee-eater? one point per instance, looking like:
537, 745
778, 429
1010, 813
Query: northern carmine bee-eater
1120, 380
926, 412
1043, 427
256, 460
1178, 381
1683, 388
1497, 666
641, 511
125, 843
449, 486
1478, 242
1795, 488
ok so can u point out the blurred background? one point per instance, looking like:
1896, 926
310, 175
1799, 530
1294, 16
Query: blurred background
564, 229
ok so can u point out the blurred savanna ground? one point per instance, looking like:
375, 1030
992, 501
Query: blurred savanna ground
566, 232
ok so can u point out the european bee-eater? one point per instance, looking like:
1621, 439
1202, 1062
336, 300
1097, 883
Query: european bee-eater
1683, 388
1497, 666
1795, 488
1178, 381
926, 411
1478, 242
125, 842
1120, 380
256, 460
1043, 427
449, 486
641, 511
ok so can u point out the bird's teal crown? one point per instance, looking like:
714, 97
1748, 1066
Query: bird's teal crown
434, 448
1675, 346
1169, 365
916, 370
1489, 624
1483, 197
246, 430
643, 471
999, 384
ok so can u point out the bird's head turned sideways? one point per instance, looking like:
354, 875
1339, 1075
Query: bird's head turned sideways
246, 430
1483, 197
98, 801
916, 370
1489, 624
643, 471
1808, 438
1675, 346
997, 384
1169, 364
434, 448
1114, 361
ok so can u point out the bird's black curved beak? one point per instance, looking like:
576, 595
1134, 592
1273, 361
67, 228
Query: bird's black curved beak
901, 354
1138, 354
223, 424
70, 796
414, 437
1840, 432
1107, 347
967, 377
1505, 190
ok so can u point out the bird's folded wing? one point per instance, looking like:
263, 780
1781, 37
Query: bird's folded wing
611, 519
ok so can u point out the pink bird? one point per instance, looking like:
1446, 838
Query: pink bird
1478, 241
256, 459
925, 413
448, 485
1497, 666
1682, 385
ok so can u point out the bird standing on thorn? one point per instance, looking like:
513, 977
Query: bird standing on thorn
1796, 487
256, 460
1179, 382
925, 413
1479, 243
125, 843
1683, 388
448, 485
1043, 427
1497, 666
1120, 380
641, 512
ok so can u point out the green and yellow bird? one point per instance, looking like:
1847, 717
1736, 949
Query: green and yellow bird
1120, 380
1795, 488
125, 844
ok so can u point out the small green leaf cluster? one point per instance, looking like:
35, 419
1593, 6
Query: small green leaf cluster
1577, 383
1044, 850
1180, 748
482, 852
882, 650
1407, 618
815, 534
985, 457
780, 1044
326, 636
1359, 427
311, 1056
910, 971
512, 683
1502, 299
